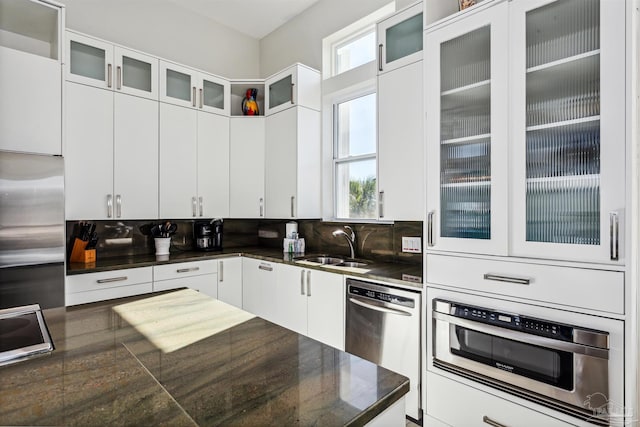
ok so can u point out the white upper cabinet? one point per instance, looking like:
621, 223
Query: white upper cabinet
296, 85
30, 77
194, 163
101, 64
292, 164
247, 162
190, 88
568, 116
401, 144
466, 102
400, 39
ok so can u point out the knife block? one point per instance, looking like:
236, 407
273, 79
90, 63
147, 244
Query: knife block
80, 254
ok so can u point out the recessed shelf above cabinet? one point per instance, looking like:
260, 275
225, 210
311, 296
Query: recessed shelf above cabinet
31, 27
238, 92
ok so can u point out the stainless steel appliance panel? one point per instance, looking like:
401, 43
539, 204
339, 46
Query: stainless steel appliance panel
32, 238
383, 326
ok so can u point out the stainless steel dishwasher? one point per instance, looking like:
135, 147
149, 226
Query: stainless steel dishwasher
383, 326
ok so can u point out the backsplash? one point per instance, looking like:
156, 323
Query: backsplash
381, 242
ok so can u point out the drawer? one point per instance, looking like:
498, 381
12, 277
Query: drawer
184, 269
456, 404
107, 279
108, 293
575, 287
206, 283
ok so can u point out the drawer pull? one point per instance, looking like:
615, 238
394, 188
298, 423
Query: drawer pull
265, 267
507, 279
186, 270
112, 279
489, 421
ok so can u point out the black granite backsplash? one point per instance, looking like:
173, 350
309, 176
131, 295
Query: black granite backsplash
379, 242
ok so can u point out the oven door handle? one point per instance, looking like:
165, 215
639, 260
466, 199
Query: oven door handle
378, 307
523, 337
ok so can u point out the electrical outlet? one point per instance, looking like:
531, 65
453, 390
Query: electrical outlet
412, 245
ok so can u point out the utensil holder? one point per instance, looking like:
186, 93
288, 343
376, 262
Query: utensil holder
162, 245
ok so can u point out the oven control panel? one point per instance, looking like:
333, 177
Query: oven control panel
516, 322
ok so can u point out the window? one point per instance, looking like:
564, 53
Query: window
355, 158
355, 51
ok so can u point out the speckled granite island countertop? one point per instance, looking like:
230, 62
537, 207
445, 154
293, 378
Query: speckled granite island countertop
409, 275
181, 358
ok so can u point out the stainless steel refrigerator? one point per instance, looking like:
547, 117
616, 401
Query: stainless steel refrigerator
32, 234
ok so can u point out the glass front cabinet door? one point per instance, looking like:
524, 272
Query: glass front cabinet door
400, 39
97, 63
568, 135
466, 131
281, 90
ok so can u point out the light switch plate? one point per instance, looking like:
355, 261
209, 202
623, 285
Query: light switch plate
412, 245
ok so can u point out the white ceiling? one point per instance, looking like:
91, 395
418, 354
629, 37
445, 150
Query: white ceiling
256, 18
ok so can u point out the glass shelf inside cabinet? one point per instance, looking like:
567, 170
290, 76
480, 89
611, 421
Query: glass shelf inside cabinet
563, 123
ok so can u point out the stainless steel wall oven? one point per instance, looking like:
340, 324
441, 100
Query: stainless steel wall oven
553, 363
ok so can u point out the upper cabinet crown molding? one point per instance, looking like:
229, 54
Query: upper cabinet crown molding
98, 63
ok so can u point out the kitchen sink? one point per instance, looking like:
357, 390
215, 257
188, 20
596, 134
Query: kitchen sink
324, 260
352, 264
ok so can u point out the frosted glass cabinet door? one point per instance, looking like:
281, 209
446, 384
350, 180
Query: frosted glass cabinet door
400, 39
90, 61
178, 85
466, 134
136, 73
568, 71
214, 94
280, 91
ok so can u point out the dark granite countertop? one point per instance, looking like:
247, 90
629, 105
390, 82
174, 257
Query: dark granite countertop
409, 275
105, 372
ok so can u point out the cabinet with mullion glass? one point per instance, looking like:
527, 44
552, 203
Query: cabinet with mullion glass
568, 129
466, 147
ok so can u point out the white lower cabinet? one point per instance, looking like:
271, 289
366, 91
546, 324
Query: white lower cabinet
311, 302
197, 275
457, 404
91, 287
230, 281
259, 293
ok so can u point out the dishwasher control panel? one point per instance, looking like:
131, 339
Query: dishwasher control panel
381, 296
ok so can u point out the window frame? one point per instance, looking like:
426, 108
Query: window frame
365, 31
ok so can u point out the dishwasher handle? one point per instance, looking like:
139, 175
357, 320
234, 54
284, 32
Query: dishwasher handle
378, 307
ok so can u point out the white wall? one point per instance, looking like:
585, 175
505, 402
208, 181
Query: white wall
172, 33
300, 40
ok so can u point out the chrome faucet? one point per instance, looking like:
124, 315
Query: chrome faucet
351, 238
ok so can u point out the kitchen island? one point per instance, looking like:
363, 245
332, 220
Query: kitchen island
181, 358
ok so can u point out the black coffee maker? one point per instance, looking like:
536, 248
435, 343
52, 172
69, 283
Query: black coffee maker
207, 235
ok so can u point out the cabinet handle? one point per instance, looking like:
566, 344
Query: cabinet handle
221, 271
430, 228
301, 282
193, 206
112, 279
293, 199
380, 57
261, 207
507, 279
186, 270
293, 101
193, 96
200, 200
308, 283
109, 79
614, 235
265, 267
119, 77
201, 98
118, 206
489, 421
109, 205
381, 204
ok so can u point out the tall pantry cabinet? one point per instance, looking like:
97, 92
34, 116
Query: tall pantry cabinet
111, 124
